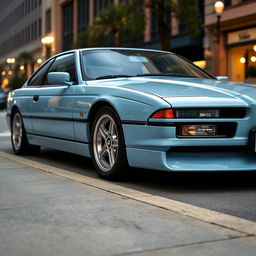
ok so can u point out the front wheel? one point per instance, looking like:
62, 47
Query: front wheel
108, 146
20, 144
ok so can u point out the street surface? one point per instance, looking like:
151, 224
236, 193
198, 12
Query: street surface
45, 214
68, 210
230, 193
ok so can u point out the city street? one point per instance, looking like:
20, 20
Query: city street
230, 193
167, 87
72, 212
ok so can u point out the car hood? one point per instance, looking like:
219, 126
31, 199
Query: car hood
196, 91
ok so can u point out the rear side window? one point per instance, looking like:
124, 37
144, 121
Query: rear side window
64, 63
38, 77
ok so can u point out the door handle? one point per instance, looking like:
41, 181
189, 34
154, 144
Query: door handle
36, 98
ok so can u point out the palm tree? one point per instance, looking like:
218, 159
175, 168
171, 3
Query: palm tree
115, 24
26, 58
183, 10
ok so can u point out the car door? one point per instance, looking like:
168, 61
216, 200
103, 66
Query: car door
52, 104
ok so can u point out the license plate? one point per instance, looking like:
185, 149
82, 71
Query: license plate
198, 130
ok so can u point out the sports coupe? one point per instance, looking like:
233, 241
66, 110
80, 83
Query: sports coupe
135, 107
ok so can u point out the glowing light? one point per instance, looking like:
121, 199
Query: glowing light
10, 60
47, 40
10, 72
22, 67
242, 60
39, 61
3, 73
200, 63
219, 7
253, 59
254, 47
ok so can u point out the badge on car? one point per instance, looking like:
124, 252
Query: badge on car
209, 113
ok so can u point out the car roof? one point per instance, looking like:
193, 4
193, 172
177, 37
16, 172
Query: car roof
109, 48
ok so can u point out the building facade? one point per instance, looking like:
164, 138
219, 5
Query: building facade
234, 54
70, 17
20, 25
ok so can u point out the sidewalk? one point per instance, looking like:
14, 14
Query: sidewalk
45, 214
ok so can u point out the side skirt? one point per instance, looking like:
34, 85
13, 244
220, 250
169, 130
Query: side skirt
59, 144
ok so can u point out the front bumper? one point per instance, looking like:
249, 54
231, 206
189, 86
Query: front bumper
191, 161
153, 147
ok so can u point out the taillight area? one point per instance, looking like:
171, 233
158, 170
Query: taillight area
164, 113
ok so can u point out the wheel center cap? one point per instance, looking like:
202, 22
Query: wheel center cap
108, 142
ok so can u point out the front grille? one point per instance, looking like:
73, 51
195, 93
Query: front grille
220, 113
224, 130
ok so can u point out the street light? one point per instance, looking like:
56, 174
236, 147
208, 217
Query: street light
218, 7
10, 60
47, 41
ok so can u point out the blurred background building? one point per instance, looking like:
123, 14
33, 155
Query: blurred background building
230, 47
20, 41
34, 30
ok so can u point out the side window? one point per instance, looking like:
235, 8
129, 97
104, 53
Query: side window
38, 77
64, 63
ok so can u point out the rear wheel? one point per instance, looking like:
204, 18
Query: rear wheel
20, 144
108, 146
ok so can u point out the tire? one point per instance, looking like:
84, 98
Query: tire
108, 146
20, 144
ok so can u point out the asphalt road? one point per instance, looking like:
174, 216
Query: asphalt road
231, 193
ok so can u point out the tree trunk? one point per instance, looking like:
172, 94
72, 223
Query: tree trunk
163, 28
117, 39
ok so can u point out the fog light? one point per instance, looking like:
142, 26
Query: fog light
198, 130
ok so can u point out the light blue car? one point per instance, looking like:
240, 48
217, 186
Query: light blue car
134, 107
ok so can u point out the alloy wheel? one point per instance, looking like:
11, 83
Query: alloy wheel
105, 142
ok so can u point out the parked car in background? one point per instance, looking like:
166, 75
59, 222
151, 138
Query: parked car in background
3, 99
135, 107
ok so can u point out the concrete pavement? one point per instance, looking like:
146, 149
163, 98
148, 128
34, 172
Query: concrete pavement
46, 214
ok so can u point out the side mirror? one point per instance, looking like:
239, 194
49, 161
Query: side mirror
222, 78
59, 78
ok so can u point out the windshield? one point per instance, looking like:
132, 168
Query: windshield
100, 64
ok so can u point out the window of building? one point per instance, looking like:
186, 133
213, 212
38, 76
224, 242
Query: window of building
101, 4
83, 14
67, 17
40, 27
227, 3
48, 21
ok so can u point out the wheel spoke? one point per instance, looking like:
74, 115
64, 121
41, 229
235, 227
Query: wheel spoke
103, 131
111, 156
103, 152
111, 127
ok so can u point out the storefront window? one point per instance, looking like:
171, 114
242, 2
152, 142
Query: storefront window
242, 63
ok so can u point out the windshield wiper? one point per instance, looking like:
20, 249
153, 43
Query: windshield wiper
111, 76
165, 74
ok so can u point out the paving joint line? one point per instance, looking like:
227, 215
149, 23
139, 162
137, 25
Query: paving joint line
183, 245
